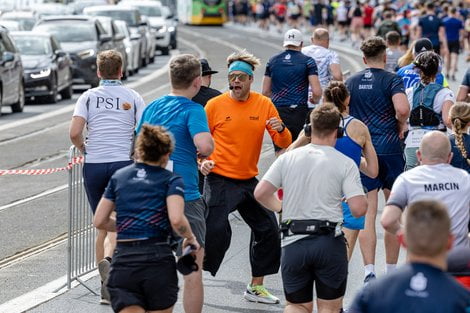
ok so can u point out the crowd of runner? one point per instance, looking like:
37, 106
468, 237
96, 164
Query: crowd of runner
395, 127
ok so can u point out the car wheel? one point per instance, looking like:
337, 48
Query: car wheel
166, 51
55, 91
67, 93
174, 44
19, 106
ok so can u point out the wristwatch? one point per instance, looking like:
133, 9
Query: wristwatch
283, 127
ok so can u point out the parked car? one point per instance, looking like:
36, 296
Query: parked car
132, 43
157, 20
11, 25
78, 6
151, 34
172, 25
48, 9
118, 39
11, 74
47, 68
83, 42
27, 19
133, 20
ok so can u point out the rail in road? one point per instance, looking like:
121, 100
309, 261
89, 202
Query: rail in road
33, 209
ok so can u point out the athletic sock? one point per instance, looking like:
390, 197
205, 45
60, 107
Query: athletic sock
368, 269
389, 268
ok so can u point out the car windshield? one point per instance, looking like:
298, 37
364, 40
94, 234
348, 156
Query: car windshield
25, 22
28, 45
131, 17
150, 10
64, 33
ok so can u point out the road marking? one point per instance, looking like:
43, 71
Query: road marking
216, 40
34, 133
200, 52
148, 93
39, 195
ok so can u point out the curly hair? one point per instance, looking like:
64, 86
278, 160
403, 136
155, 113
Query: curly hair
153, 143
373, 48
336, 93
460, 117
428, 64
244, 56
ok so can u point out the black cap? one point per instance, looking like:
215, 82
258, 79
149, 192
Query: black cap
422, 45
206, 69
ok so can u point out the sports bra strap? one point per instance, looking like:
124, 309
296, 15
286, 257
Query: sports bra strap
346, 121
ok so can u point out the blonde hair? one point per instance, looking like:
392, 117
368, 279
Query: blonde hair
244, 56
460, 117
407, 58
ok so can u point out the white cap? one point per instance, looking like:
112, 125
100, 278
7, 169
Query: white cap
292, 37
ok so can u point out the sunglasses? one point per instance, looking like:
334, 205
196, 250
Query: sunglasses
241, 77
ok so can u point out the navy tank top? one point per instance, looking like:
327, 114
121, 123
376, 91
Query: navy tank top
347, 146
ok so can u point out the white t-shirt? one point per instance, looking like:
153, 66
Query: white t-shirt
314, 179
341, 13
441, 182
111, 113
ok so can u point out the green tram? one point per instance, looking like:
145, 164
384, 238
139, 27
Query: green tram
202, 12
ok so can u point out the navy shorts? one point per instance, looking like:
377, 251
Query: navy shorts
143, 273
96, 177
317, 259
390, 167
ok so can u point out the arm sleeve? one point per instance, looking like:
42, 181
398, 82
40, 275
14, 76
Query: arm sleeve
396, 86
140, 106
398, 195
274, 173
445, 94
267, 72
209, 115
282, 139
352, 185
110, 191
312, 67
82, 106
334, 58
175, 186
197, 121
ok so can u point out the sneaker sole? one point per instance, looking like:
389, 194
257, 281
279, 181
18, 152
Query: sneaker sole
105, 302
103, 269
254, 298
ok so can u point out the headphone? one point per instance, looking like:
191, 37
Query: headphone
339, 129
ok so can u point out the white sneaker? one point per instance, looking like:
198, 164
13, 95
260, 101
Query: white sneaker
259, 294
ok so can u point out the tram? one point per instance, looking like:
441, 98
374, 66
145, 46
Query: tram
202, 12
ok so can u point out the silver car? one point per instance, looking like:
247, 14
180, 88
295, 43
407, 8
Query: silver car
132, 45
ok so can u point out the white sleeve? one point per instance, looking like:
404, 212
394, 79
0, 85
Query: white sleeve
398, 194
445, 94
352, 185
334, 58
81, 108
140, 106
274, 173
409, 95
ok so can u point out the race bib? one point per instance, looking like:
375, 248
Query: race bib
414, 137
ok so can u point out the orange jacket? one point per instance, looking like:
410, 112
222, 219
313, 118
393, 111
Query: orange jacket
238, 131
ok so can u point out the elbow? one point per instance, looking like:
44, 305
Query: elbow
373, 172
206, 148
99, 223
259, 196
359, 207
176, 222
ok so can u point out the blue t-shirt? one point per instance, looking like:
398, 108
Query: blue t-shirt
139, 192
430, 28
466, 79
371, 93
411, 77
184, 119
453, 27
458, 160
413, 288
289, 72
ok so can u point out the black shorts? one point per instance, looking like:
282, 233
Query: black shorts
281, 19
319, 259
294, 119
453, 46
343, 23
368, 26
390, 167
143, 274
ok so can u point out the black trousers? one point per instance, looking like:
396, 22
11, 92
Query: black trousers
225, 195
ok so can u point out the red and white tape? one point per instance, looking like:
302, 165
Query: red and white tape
44, 171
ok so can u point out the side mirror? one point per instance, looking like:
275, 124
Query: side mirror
105, 38
119, 37
135, 37
8, 57
60, 53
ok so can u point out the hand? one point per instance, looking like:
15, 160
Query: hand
206, 167
402, 128
275, 124
191, 242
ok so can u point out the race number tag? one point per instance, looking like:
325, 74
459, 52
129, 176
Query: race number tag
169, 166
414, 137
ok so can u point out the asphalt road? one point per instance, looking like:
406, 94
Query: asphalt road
33, 209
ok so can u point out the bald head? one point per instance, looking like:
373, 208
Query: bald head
321, 37
434, 148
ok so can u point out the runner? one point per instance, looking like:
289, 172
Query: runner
460, 140
110, 113
286, 80
430, 26
238, 120
327, 60
387, 25
313, 246
378, 99
187, 122
434, 179
357, 24
430, 105
368, 19
404, 23
421, 285
149, 202
342, 19
454, 35
394, 52
464, 88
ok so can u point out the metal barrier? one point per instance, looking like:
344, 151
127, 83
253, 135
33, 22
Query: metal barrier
81, 232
